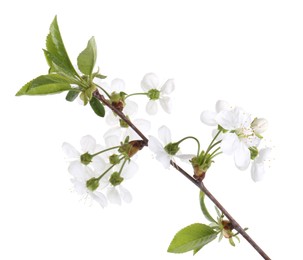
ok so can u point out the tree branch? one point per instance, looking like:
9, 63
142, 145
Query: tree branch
198, 183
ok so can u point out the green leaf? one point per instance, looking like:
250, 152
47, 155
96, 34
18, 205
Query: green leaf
45, 84
204, 209
97, 107
87, 58
192, 237
56, 53
72, 95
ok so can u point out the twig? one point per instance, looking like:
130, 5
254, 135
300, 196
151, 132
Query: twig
198, 183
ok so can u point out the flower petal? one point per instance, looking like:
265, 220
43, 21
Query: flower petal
222, 105
164, 158
113, 196
88, 144
264, 154
229, 120
185, 157
98, 164
79, 186
117, 85
76, 169
99, 197
111, 118
114, 131
257, 171
154, 145
242, 157
168, 87
166, 104
152, 107
229, 143
111, 140
125, 194
130, 108
164, 134
149, 81
70, 151
130, 170
208, 117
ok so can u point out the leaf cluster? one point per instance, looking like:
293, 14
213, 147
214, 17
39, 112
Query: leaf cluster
62, 76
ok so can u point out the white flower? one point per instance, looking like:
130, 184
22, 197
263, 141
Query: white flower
88, 145
150, 84
259, 165
209, 117
159, 148
241, 137
117, 194
80, 177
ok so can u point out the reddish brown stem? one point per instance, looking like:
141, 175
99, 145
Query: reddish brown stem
198, 183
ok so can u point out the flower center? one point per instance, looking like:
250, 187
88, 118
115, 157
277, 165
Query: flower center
153, 94
171, 148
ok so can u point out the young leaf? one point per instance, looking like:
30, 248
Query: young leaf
97, 107
72, 95
87, 58
45, 84
100, 76
56, 51
204, 209
192, 237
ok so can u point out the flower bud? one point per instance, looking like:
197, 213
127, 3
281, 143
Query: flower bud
227, 228
131, 148
117, 100
92, 184
259, 125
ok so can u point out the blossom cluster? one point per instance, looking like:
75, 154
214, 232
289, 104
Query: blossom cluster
98, 171
240, 136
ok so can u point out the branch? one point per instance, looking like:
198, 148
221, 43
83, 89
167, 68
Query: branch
198, 183
234, 223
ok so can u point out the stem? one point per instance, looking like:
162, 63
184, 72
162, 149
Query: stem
191, 137
234, 223
122, 166
199, 184
211, 144
136, 94
105, 172
108, 149
121, 115
105, 92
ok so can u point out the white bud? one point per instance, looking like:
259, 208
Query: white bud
259, 125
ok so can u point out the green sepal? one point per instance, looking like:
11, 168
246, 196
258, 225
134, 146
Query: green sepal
44, 85
97, 106
192, 237
72, 95
204, 209
87, 58
56, 53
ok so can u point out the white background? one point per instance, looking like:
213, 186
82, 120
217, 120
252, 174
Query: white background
246, 52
